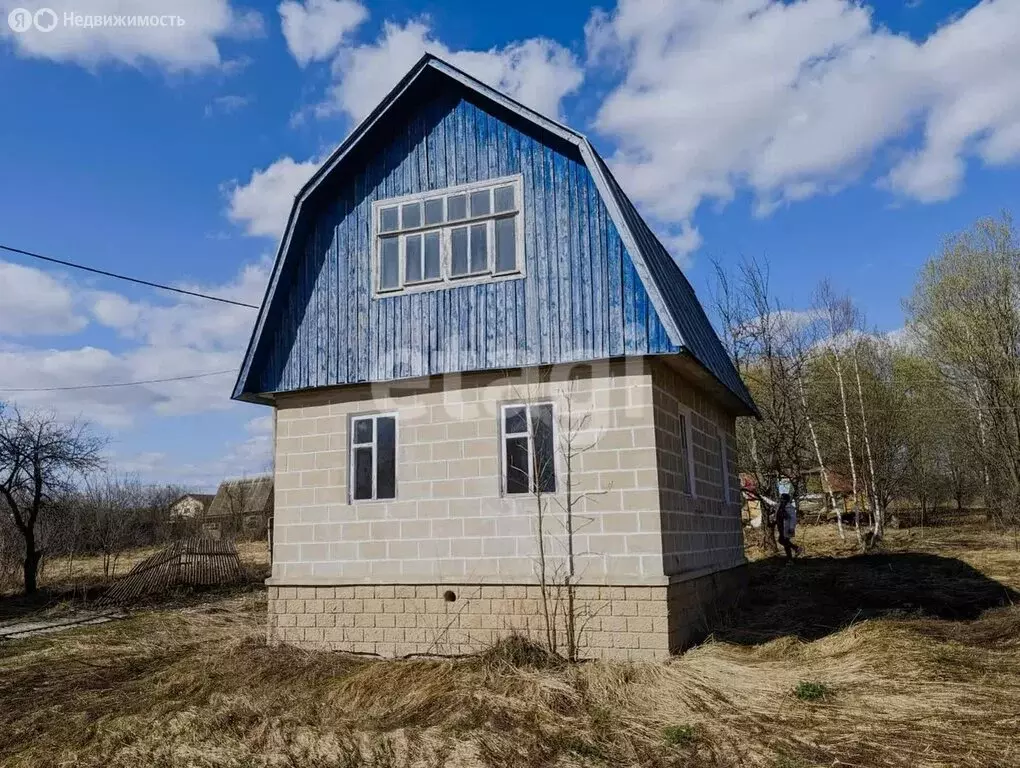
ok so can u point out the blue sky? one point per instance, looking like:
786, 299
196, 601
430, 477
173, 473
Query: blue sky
839, 141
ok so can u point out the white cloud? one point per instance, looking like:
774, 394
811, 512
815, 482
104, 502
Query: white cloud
315, 29
157, 341
970, 70
191, 46
227, 104
263, 204
794, 99
34, 302
537, 72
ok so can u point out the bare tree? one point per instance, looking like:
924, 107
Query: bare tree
40, 457
771, 347
841, 318
553, 491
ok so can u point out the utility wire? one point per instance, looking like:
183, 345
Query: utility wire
119, 384
125, 277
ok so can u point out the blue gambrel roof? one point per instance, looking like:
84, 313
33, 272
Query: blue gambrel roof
670, 294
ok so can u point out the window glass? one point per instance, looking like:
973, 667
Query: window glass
389, 272
506, 245
433, 265
503, 199
518, 468
685, 455
442, 236
363, 473
456, 207
363, 431
529, 449
412, 258
542, 426
479, 248
410, 214
434, 211
516, 420
459, 252
480, 203
388, 220
373, 458
386, 461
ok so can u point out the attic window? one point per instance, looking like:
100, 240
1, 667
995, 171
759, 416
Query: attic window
447, 237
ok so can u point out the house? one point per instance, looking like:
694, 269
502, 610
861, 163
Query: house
461, 288
190, 506
242, 508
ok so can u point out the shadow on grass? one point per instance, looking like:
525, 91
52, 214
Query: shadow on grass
815, 597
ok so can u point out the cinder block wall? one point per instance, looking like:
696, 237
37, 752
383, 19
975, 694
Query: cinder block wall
336, 562
701, 531
450, 521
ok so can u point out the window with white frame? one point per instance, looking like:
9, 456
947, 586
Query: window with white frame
373, 457
439, 238
724, 459
529, 461
686, 452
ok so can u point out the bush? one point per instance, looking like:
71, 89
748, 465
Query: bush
806, 691
679, 735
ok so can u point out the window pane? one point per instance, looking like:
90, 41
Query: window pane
542, 424
517, 465
456, 207
389, 272
363, 431
434, 211
506, 244
516, 421
412, 258
479, 248
684, 454
362, 473
410, 214
388, 220
480, 203
432, 264
386, 461
459, 252
503, 198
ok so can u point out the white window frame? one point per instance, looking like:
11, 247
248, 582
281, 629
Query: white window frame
351, 445
724, 450
504, 436
687, 441
446, 278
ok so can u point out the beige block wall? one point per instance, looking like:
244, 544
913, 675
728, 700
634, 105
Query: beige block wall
701, 531
450, 523
401, 620
622, 623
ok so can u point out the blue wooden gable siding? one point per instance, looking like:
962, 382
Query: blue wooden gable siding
581, 300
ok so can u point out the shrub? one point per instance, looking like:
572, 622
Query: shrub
679, 735
807, 691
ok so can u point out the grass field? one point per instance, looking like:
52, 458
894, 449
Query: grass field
907, 657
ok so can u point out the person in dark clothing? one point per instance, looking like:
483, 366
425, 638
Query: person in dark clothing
786, 524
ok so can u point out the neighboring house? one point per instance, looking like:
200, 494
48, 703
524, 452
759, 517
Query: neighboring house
190, 506
242, 508
461, 282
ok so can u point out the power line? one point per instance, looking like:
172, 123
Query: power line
118, 384
116, 276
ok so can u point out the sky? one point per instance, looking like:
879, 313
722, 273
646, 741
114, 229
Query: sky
834, 139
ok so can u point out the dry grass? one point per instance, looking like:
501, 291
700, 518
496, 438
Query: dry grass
923, 682
68, 585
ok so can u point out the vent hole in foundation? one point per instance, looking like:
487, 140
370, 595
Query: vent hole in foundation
449, 596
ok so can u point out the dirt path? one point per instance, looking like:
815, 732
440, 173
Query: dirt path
16, 630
